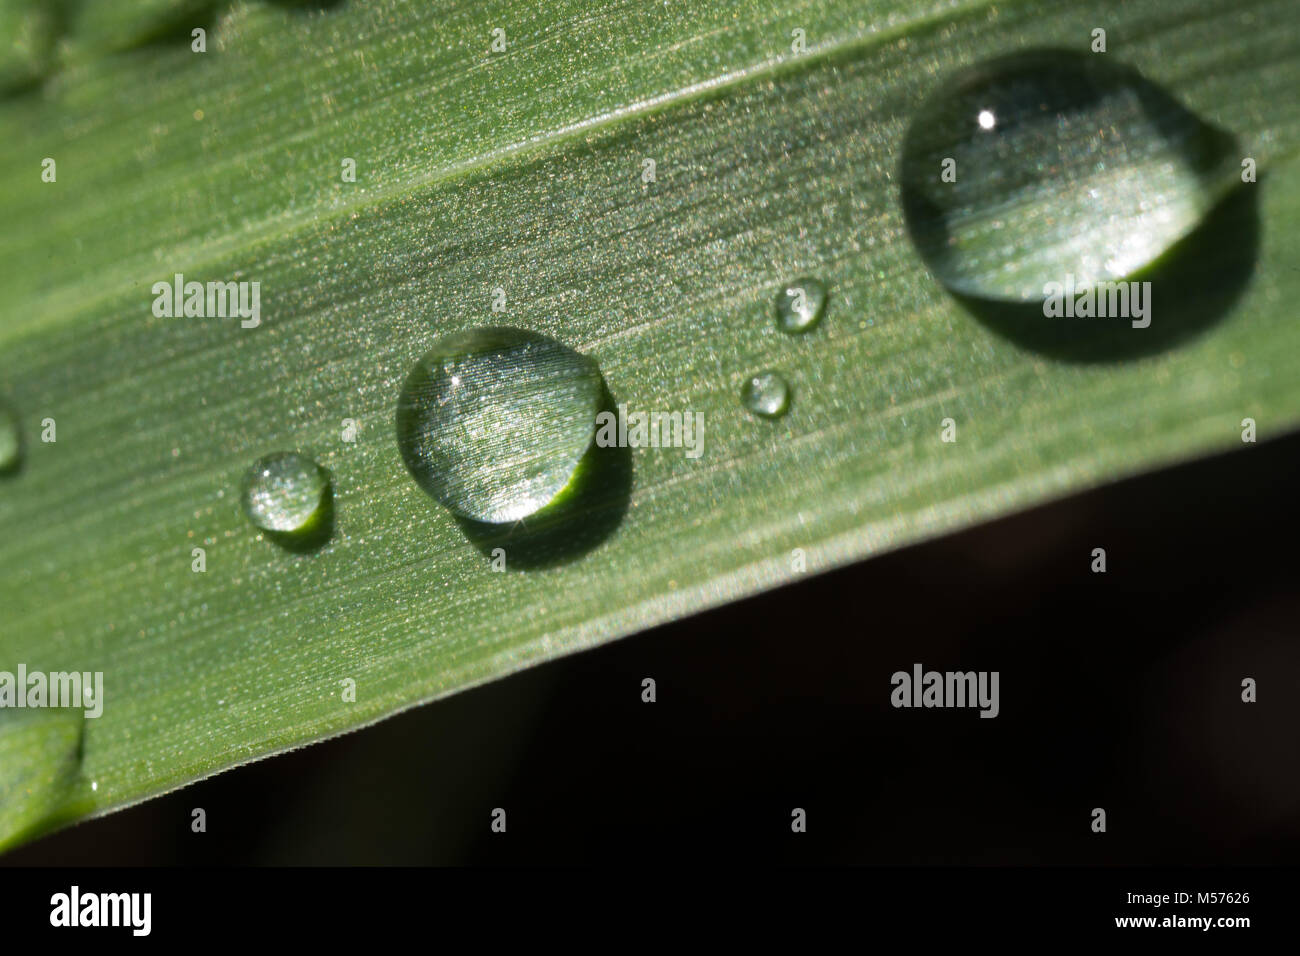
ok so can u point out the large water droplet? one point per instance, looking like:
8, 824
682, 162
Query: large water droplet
287, 493
493, 422
766, 394
11, 441
800, 305
1062, 164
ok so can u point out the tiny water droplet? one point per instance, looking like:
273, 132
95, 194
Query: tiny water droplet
287, 493
493, 422
11, 441
1031, 167
800, 305
766, 394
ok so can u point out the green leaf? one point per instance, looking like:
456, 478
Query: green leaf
522, 171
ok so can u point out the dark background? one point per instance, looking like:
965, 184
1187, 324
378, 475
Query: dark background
1118, 690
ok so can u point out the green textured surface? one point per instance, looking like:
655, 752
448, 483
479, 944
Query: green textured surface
522, 170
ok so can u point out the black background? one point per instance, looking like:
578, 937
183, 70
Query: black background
1118, 690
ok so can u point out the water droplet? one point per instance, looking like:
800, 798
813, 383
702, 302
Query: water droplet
287, 493
493, 422
1059, 164
800, 305
11, 441
766, 394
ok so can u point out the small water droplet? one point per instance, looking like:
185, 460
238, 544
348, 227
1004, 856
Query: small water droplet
11, 441
493, 422
800, 305
1031, 167
766, 394
286, 493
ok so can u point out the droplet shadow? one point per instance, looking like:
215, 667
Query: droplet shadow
314, 535
1193, 285
11, 468
307, 6
54, 791
587, 512
11, 435
175, 29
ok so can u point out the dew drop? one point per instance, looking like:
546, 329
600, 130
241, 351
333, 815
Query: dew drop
287, 493
493, 422
800, 305
1061, 164
766, 394
11, 441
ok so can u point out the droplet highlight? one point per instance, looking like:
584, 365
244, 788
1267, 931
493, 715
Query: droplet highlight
800, 305
766, 394
287, 493
1039, 166
494, 422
